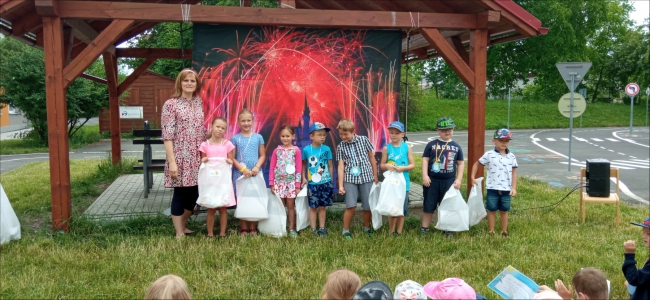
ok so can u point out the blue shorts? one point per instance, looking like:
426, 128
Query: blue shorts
434, 193
497, 200
320, 194
406, 204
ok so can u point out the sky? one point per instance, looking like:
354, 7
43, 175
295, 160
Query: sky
642, 11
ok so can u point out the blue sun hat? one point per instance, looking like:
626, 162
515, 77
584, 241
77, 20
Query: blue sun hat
503, 134
374, 290
318, 126
644, 224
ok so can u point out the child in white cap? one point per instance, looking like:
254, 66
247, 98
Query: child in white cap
409, 290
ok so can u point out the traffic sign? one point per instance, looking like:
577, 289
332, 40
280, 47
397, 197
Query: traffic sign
631, 89
577, 70
579, 105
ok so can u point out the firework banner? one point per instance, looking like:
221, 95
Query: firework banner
296, 76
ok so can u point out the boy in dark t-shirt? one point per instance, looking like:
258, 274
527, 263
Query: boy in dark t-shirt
442, 166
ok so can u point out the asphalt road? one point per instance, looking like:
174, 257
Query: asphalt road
542, 154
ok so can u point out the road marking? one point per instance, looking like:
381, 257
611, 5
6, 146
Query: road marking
602, 147
621, 153
610, 150
629, 164
613, 140
25, 158
565, 139
627, 191
551, 139
597, 140
641, 160
536, 140
95, 152
615, 134
582, 164
632, 156
580, 139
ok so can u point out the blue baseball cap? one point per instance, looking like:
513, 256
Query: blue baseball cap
397, 125
318, 126
644, 224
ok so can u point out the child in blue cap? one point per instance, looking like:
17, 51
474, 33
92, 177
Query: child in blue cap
501, 183
397, 156
638, 280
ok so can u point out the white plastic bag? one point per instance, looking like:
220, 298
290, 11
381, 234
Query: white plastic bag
372, 201
475, 202
9, 225
302, 210
252, 198
215, 184
276, 224
391, 197
453, 212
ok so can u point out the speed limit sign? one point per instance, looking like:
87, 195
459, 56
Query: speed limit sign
631, 89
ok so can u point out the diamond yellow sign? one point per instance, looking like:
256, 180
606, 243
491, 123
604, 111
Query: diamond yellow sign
579, 105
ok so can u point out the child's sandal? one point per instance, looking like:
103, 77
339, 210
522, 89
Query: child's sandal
253, 231
243, 232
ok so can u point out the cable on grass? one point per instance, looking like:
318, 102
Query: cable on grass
552, 206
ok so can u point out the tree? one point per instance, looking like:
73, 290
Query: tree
23, 79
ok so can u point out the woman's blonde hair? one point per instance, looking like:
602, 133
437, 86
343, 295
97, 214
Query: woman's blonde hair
178, 88
168, 287
341, 284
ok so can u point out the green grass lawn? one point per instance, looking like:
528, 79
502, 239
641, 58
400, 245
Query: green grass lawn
523, 115
121, 259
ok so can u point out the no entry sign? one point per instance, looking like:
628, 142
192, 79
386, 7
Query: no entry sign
631, 89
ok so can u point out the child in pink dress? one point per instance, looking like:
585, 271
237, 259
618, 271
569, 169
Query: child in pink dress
284, 174
218, 146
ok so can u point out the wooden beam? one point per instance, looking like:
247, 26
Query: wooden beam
287, 4
110, 65
521, 26
476, 119
49, 8
10, 6
135, 29
488, 18
26, 24
510, 38
460, 49
57, 120
157, 12
93, 78
94, 49
153, 53
438, 42
84, 32
144, 66
68, 40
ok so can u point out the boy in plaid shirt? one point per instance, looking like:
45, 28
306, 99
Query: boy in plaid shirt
356, 172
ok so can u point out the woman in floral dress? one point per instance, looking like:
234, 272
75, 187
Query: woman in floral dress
183, 132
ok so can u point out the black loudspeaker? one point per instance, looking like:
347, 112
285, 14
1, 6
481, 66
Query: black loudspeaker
598, 177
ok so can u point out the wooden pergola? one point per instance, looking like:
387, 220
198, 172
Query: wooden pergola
74, 33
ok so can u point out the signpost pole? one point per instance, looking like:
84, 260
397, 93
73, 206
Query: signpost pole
631, 113
647, 95
573, 76
509, 109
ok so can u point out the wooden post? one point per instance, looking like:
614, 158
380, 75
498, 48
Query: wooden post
110, 64
57, 120
476, 126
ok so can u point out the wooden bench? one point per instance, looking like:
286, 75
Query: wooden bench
149, 165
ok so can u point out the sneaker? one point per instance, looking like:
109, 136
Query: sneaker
505, 234
347, 236
293, 233
322, 232
370, 233
396, 234
491, 233
424, 231
448, 234
315, 232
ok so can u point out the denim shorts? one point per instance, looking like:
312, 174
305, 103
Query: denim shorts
406, 204
320, 194
497, 200
355, 191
